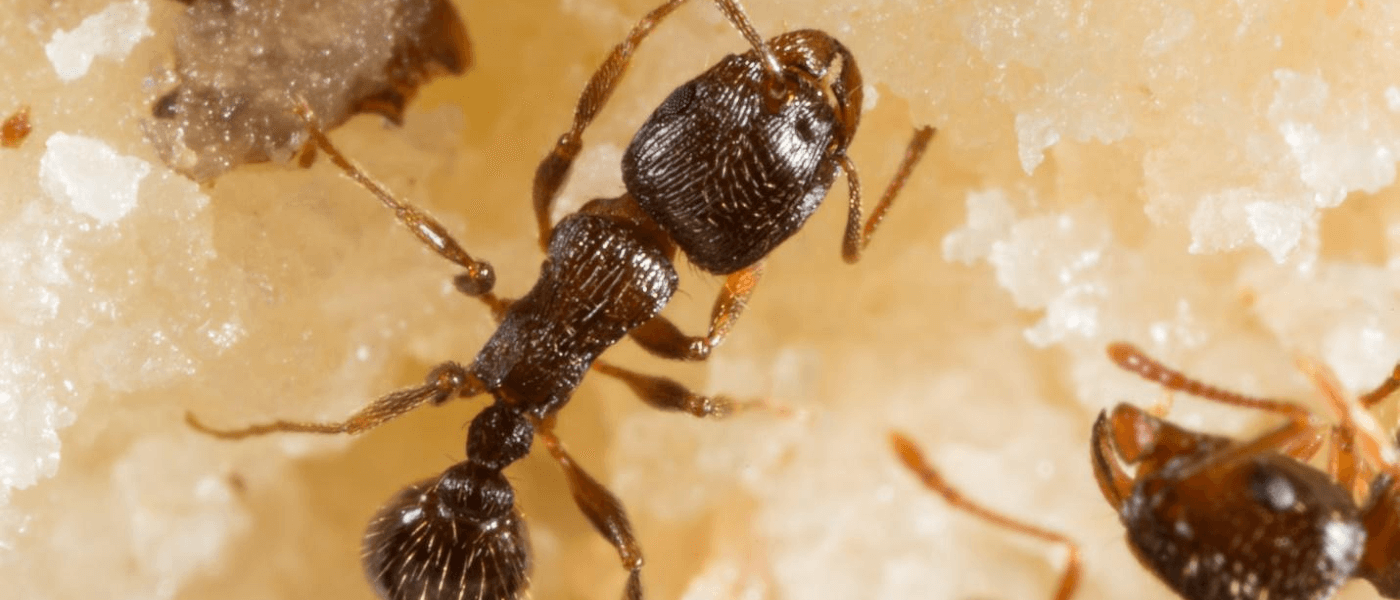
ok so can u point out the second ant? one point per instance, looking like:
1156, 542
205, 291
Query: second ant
726, 169
1220, 519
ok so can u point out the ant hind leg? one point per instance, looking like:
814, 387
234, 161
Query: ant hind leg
603, 510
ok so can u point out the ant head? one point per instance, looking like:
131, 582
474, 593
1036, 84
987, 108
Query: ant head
456, 532
1141, 438
735, 161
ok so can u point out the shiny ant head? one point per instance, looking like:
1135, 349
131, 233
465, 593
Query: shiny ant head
735, 160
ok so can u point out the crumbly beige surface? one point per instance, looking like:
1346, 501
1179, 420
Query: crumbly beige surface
1212, 181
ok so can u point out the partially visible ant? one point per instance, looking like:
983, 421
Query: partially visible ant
15, 128
729, 166
913, 459
1215, 518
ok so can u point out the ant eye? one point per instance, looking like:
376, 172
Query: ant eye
1272, 489
803, 128
678, 102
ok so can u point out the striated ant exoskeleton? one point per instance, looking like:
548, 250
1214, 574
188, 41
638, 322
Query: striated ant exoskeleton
914, 460
729, 166
1216, 518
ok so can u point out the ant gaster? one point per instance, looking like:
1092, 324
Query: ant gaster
913, 459
724, 170
1215, 518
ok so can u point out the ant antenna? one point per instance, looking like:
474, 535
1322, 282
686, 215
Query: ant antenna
1132, 359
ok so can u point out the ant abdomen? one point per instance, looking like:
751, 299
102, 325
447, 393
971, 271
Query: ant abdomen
454, 536
728, 178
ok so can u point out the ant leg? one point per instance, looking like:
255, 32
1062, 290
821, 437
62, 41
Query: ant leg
444, 381
601, 508
554, 169
1131, 359
858, 237
914, 460
661, 337
1386, 388
667, 394
479, 277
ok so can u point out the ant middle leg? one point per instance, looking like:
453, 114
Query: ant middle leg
443, 382
554, 169
661, 337
667, 394
857, 236
477, 280
913, 459
603, 510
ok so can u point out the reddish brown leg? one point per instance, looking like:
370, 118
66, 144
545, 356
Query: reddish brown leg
554, 169
858, 237
662, 338
667, 394
914, 460
1383, 390
601, 508
444, 381
479, 277
1130, 358
1359, 446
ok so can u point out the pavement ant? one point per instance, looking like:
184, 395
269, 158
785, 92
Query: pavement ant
914, 460
724, 170
1217, 518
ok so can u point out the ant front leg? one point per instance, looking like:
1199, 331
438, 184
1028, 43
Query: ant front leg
857, 236
477, 280
554, 169
661, 337
601, 508
443, 382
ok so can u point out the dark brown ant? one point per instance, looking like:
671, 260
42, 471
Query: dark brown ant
1216, 518
913, 459
15, 128
726, 169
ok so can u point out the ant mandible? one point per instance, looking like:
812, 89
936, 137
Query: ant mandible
913, 459
1215, 518
729, 166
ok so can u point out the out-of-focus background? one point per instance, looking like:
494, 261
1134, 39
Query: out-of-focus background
1213, 181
